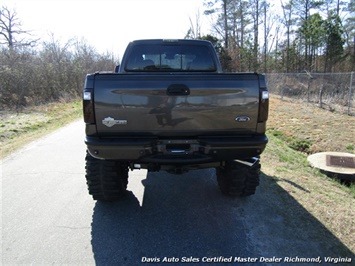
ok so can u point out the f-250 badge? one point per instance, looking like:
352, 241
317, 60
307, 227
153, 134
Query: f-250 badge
110, 122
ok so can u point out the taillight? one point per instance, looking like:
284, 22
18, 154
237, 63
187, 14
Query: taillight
264, 106
88, 106
263, 100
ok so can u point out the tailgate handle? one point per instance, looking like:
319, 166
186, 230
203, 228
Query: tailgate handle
177, 89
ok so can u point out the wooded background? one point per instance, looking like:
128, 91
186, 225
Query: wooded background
306, 36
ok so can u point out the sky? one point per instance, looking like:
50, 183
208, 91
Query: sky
108, 25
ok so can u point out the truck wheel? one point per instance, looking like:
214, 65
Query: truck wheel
106, 180
238, 180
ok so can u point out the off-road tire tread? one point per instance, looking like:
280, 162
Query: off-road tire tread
106, 180
238, 180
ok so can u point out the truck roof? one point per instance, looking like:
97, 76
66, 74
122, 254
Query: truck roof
173, 41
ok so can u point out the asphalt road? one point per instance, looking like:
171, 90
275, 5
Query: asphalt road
49, 219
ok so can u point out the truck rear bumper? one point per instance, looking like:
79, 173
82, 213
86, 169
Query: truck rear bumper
176, 151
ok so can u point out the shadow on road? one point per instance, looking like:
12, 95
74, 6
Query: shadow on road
186, 216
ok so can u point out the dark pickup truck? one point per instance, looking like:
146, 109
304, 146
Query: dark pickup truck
171, 108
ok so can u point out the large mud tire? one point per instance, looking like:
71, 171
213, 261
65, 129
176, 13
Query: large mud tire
106, 180
238, 180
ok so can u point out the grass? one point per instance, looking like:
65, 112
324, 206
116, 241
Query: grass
20, 128
330, 202
350, 147
302, 145
309, 129
292, 136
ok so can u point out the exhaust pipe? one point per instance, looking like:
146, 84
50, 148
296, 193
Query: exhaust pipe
249, 162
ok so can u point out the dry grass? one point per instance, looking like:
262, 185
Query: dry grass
328, 201
19, 128
321, 129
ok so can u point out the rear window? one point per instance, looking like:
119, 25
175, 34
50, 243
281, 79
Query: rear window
170, 58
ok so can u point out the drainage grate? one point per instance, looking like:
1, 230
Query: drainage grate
340, 161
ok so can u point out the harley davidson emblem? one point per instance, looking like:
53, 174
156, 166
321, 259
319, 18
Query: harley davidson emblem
110, 122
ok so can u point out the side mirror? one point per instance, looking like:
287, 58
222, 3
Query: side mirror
117, 68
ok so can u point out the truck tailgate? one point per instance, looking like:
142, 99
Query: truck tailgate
164, 104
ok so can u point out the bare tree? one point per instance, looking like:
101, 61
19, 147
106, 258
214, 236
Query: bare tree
270, 31
11, 32
214, 7
195, 28
288, 21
